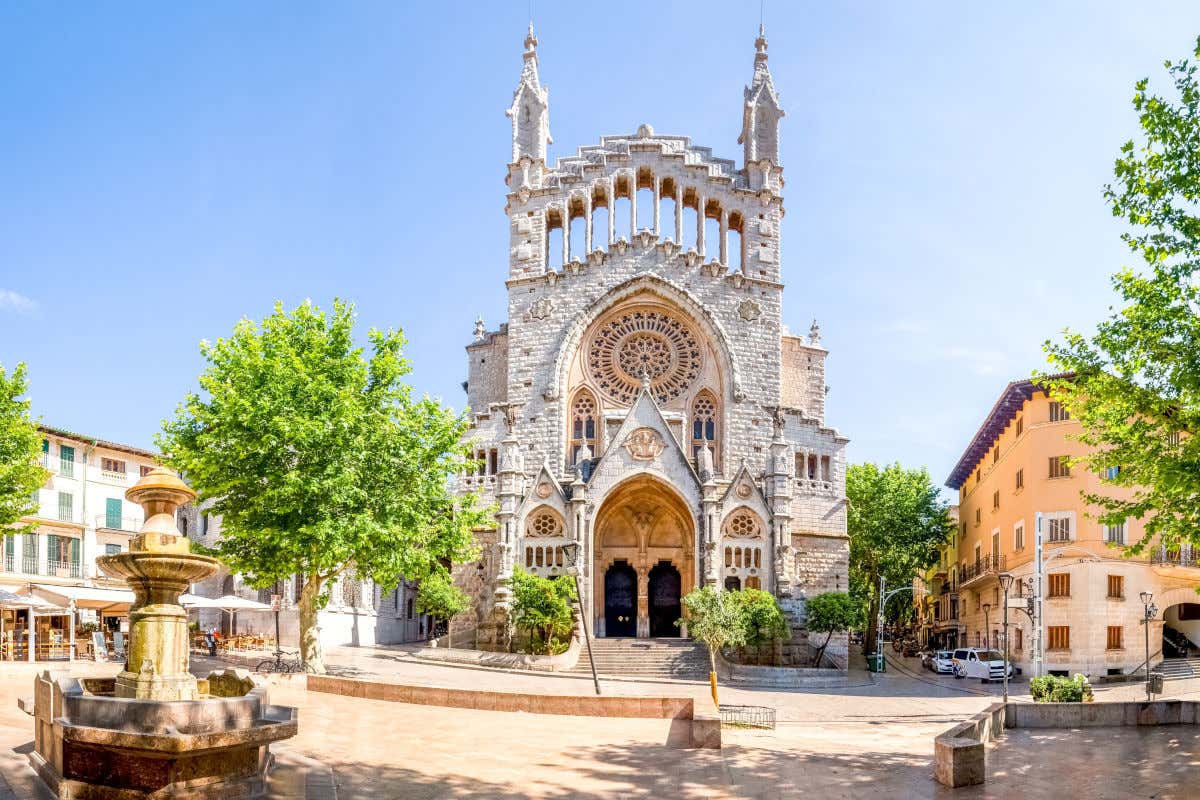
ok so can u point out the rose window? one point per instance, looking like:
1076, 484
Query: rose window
743, 525
544, 523
644, 344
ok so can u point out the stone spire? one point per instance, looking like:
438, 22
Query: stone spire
760, 121
530, 109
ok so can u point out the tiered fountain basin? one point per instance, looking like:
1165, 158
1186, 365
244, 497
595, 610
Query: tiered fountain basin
92, 745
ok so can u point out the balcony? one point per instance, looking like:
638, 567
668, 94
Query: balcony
988, 565
112, 523
469, 483
113, 476
814, 486
63, 569
1179, 562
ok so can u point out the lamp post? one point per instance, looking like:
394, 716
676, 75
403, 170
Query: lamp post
571, 553
1006, 581
987, 626
1150, 611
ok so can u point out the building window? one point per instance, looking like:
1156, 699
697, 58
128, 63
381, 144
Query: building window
1059, 529
1115, 641
1058, 412
112, 549
1059, 637
995, 547
978, 516
1019, 536
1060, 584
112, 513
1020, 479
704, 424
1116, 586
66, 461
1059, 468
1111, 473
1020, 426
408, 608
996, 454
1114, 534
1018, 639
144, 470
583, 424
995, 500
66, 506
112, 465
544, 524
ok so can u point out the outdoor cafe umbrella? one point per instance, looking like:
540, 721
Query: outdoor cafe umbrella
230, 602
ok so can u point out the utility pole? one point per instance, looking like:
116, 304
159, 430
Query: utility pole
1035, 651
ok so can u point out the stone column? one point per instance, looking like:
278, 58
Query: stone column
611, 200
587, 225
723, 250
566, 237
643, 602
657, 206
700, 225
632, 204
679, 215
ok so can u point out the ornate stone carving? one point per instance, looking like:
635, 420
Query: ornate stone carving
644, 444
691, 258
743, 490
744, 524
540, 309
714, 269
621, 245
597, 257
644, 342
749, 310
644, 237
544, 489
544, 524
480, 330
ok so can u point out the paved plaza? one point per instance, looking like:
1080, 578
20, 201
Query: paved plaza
871, 737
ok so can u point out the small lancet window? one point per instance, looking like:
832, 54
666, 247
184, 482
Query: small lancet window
704, 424
584, 414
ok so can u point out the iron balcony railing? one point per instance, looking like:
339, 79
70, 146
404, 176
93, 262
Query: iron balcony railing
63, 569
29, 565
1185, 557
988, 564
115, 523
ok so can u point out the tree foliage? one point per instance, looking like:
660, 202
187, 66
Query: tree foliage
21, 473
830, 613
761, 617
542, 606
320, 460
1135, 387
717, 619
896, 523
438, 597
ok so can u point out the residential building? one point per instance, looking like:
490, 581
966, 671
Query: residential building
935, 596
1017, 469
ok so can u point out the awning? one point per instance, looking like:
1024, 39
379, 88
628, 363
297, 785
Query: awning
40, 607
94, 597
227, 602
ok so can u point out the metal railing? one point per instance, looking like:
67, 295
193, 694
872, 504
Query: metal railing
1175, 558
63, 569
131, 524
986, 565
29, 565
114, 476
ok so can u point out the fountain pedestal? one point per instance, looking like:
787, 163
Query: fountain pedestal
155, 731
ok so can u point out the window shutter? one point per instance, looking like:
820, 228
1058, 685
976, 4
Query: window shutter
112, 513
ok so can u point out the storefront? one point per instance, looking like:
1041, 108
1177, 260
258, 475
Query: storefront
33, 629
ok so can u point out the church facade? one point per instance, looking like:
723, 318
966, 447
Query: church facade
644, 398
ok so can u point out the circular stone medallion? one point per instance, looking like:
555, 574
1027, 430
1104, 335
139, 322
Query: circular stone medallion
644, 343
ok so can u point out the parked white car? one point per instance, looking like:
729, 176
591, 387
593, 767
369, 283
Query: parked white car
974, 662
942, 662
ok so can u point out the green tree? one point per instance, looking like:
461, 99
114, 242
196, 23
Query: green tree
21, 472
319, 459
438, 597
1135, 384
830, 613
896, 522
762, 617
715, 618
542, 606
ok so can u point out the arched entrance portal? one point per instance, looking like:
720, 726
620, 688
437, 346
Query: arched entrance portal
644, 531
620, 600
664, 597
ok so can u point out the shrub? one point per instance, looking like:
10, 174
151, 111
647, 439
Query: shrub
542, 606
1054, 689
438, 597
761, 615
830, 613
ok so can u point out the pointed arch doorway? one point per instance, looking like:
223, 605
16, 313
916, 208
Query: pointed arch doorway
645, 541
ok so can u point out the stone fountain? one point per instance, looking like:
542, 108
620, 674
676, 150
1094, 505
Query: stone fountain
155, 730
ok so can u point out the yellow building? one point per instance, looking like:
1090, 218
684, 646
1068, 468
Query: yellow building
1016, 469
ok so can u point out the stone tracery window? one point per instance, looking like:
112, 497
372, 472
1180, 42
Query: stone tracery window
704, 424
644, 342
744, 524
544, 523
584, 414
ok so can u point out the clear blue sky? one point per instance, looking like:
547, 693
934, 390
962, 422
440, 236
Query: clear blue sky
167, 168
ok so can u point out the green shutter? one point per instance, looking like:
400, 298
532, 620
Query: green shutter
52, 549
66, 458
74, 553
66, 506
112, 513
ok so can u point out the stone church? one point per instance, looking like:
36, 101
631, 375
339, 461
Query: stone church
644, 398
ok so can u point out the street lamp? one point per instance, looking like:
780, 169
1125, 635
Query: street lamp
987, 626
571, 553
1150, 612
1006, 582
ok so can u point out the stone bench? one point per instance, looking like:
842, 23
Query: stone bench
959, 754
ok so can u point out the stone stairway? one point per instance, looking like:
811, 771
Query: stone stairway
1174, 669
649, 658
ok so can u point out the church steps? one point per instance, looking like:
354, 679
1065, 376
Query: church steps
659, 658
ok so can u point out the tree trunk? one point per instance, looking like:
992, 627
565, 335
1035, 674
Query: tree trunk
712, 675
310, 634
872, 618
821, 649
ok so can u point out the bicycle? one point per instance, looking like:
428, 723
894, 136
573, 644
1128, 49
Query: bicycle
284, 666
